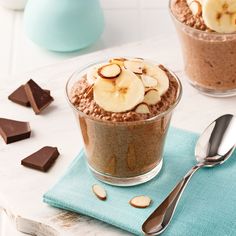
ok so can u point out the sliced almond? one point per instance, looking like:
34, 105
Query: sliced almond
140, 201
118, 61
148, 81
109, 71
139, 58
100, 192
195, 6
89, 91
142, 108
135, 66
152, 97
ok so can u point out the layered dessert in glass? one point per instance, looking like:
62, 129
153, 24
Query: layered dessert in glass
207, 32
123, 107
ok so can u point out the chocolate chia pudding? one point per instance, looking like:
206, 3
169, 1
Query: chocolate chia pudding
123, 107
207, 32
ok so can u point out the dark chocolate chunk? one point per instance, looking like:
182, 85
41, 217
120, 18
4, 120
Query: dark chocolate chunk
12, 130
19, 96
42, 159
47, 91
38, 98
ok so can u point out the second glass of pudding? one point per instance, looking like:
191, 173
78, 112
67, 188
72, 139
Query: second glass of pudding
123, 107
209, 56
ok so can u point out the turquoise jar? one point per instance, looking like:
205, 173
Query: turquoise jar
63, 25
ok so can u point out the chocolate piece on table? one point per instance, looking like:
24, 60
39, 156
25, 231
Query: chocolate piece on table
41, 160
47, 91
19, 96
12, 130
38, 98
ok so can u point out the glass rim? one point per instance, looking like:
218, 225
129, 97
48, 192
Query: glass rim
193, 29
170, 109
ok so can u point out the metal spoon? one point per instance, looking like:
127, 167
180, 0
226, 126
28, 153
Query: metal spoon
214, 147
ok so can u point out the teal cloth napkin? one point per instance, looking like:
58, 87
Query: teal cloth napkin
207, 207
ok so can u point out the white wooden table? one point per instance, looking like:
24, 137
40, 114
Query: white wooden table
21, 188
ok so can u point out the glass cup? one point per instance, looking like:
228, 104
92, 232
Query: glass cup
123, 153
209, 59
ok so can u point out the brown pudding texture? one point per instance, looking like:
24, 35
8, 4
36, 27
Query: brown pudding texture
209, 57
123, 144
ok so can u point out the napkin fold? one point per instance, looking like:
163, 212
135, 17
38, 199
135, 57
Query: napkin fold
207, 207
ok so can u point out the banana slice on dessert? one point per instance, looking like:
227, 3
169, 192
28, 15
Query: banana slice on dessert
154, 71
220, 15
118, 94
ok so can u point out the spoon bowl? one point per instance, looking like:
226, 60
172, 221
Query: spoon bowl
217, 141
214, 147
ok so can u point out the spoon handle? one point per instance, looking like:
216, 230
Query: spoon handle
158, 221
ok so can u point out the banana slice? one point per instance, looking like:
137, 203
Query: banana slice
220, 15
155, 72
120, 94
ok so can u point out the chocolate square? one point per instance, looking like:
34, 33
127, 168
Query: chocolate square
38, 98
41, 160
19, 96
13, 130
